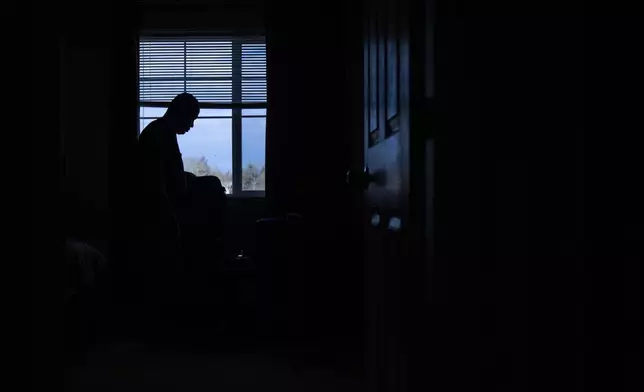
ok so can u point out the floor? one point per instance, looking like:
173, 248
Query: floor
143, 349
140, 367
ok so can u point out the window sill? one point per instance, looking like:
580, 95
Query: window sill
247, 195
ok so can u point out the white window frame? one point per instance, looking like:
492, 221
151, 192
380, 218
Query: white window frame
237, 111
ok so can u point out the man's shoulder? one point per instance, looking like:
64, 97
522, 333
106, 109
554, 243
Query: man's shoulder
152, 128
153, 132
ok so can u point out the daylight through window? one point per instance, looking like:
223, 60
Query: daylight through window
228, 77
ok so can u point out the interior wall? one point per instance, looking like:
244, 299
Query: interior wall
311, 128
215, 16
85, 122
507, 268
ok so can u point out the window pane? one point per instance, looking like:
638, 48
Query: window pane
159, 112
207, 150
161, 58
151, 112
220, 91
254, 60
215, 112
144, 123
253, 154
209, 58
254, 112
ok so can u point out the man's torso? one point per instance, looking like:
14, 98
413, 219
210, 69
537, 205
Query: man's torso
160, 158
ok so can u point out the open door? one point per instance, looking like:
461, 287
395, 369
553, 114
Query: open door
395, 221
386, 170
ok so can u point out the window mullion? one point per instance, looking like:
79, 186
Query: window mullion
237, 116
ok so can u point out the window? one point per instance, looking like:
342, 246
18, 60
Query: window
228, 77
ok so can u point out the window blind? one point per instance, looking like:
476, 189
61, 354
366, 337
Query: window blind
215, 70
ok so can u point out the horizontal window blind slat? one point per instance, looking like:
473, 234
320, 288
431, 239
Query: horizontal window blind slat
202, 66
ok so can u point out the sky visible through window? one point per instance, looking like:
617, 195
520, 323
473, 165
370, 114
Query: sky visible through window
212, 139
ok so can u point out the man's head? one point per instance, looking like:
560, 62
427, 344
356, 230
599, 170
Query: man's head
182, 112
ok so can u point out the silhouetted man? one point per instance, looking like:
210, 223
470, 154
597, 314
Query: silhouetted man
163, 192
159, 151
176, 207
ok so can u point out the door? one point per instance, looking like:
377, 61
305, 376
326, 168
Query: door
395, 221
386, 154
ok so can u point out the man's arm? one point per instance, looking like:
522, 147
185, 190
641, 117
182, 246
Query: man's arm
174, 174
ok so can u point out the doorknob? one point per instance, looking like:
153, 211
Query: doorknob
360, 179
